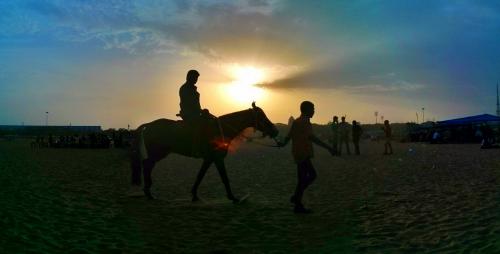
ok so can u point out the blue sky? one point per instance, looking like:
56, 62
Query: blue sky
115, 63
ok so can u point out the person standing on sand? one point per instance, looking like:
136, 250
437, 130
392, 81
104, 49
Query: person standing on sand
335, 133
302, 138
344, 136
356, 135
388, 136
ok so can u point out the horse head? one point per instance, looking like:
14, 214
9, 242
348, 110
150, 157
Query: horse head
262, 123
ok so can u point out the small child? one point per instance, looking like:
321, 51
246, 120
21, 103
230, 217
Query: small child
388, 136
302, 150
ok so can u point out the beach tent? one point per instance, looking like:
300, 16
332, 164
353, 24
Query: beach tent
478, 119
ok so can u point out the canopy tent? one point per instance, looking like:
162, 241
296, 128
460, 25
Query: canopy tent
484, 118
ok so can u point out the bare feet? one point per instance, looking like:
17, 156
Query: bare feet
234, 199
148, 194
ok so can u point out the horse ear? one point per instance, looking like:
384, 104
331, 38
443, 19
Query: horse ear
253, 105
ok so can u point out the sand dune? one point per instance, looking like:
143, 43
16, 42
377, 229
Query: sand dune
435, 199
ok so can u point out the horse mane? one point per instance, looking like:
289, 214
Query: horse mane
234, 123
233, 114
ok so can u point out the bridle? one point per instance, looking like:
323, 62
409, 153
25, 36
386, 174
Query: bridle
255, 128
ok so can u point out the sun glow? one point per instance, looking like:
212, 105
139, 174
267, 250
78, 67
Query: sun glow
242, 89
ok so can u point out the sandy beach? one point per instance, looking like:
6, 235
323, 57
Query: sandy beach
423, 199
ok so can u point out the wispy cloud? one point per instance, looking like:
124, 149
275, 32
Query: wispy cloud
206, 27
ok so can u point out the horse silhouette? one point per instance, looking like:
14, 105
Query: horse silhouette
155, 140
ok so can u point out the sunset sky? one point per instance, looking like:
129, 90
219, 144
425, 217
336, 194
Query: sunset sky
119, 62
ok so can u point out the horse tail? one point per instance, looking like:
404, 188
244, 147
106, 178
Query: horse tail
136, 155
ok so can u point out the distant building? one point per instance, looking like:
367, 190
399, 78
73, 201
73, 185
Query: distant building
32, 130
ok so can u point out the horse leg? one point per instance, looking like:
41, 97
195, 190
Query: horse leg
136, 166
204, 167
221, 167
148, 166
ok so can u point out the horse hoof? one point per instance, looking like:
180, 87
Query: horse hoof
195, 198
235, 200
149, 195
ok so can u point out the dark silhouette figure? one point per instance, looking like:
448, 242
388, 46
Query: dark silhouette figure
190, 98
191, 112
388, 137
335, 133
356, 135
302, 138
155, 140
488, 136
51, 141
344, 136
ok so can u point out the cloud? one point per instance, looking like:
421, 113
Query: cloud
332, 79
336, 48
216, 29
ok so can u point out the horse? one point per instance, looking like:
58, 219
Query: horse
155, 140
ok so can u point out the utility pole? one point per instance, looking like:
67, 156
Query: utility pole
47, 118
376, 117
423, 115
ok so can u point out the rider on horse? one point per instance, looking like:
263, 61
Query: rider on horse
192, 114
190, 98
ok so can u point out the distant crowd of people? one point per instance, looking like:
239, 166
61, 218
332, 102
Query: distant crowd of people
473, 133
91, 140
342, 133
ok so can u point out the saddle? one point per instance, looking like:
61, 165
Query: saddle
206, 133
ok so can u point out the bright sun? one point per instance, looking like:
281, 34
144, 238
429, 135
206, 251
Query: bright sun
242, 89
